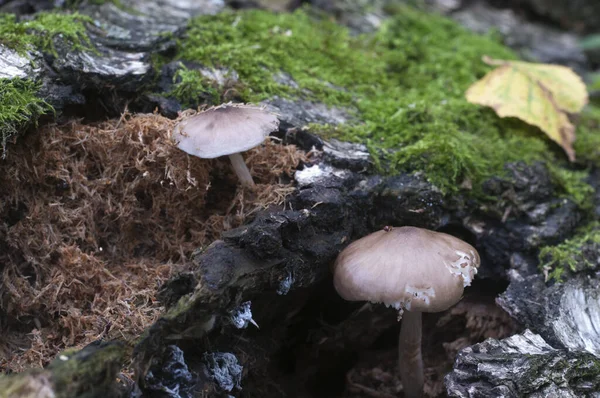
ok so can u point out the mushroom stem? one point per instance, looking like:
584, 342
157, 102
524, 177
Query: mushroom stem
411, 361
240, 168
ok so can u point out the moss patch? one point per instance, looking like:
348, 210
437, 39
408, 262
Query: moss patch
587, 144
41, 31
19, 106
572, 185
577, 254
407, 81
189, 85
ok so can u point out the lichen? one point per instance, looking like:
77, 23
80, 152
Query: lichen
20, 107
40, 32
577, 254
407, 81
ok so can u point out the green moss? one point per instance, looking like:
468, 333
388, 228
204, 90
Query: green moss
572, 185
407, 82
41, 31
190, 85
19, 107
587, 144
595, 81
571, 255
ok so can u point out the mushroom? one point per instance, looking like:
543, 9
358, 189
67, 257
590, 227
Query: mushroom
227, 129
410, 269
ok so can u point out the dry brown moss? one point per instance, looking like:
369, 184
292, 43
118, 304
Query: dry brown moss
93, 219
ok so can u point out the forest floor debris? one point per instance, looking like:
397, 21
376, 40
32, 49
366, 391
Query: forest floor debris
99, 216
472, 320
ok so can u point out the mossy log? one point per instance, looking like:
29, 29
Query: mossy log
523, 365
87, 373
396, 144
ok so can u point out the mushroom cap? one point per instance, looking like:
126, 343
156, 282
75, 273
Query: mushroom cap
406, 268
224, 130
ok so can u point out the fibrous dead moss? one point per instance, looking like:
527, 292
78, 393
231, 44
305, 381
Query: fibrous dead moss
95, 217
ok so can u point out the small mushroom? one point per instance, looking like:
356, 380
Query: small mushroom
227, 129
410, 269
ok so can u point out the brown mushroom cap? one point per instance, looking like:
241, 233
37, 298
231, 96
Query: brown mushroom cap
406, 268
224, 130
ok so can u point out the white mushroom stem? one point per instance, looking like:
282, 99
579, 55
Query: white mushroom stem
240, 168
411, 360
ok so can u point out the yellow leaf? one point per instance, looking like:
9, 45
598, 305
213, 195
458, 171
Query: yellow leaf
538, 94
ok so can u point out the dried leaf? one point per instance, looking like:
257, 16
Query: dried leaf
538, 94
